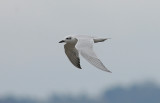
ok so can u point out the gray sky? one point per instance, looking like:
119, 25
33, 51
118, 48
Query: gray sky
33, 63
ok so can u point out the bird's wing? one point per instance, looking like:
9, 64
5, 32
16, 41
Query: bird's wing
72, 55
85, 48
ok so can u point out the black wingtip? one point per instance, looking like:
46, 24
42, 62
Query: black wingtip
79, 67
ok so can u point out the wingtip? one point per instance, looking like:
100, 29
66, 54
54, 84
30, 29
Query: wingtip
79, 67
108, 71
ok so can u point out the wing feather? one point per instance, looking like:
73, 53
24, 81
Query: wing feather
72, 55
85, 47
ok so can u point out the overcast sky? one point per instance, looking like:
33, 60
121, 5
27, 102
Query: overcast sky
33, 63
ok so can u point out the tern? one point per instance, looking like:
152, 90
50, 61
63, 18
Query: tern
83, 44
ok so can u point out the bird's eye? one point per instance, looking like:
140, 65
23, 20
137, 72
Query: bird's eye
68, 38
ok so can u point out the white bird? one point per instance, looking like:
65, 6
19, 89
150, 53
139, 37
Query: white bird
83, 44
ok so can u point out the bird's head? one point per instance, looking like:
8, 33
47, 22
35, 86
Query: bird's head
68, 39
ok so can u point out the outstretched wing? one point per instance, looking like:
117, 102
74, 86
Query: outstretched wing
85, 48
72, 55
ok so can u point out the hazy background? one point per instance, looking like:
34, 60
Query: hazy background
33, 63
